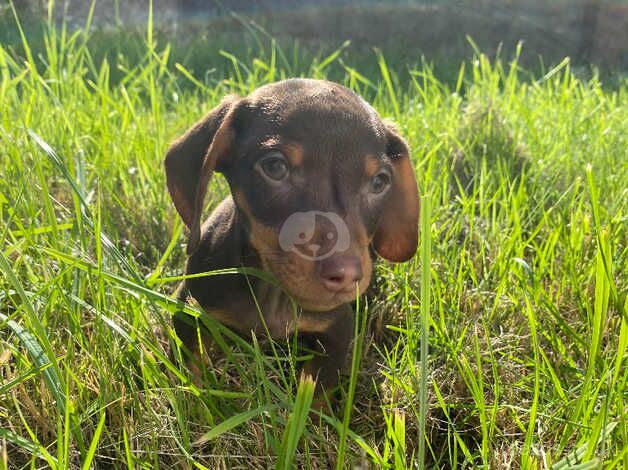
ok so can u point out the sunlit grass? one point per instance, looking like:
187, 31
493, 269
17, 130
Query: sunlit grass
526, 179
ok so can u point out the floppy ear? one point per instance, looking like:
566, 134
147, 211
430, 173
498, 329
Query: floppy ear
397, 234
191, 160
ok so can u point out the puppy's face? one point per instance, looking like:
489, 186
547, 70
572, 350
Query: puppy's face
319, 179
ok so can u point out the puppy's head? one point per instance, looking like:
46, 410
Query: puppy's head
318, 177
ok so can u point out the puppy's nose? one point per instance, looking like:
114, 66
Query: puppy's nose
340, 273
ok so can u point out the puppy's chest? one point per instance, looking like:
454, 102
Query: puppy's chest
279, 312
256, 306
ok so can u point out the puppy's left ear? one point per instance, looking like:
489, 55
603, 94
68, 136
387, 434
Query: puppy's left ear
397, 234
193, 157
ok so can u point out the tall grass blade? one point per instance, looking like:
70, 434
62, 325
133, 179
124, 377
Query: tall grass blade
296, 423
426, 280
233, 422
33, 448
91, 452
87, 215
356, 356
39, 348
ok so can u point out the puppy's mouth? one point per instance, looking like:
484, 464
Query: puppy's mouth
318, 297
330, 302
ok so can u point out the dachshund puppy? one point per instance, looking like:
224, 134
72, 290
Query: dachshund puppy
318, 185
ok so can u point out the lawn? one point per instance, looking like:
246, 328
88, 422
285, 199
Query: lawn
522, 275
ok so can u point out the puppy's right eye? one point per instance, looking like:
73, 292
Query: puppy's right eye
380, 182
274, 166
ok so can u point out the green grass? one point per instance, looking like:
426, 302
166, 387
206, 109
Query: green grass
526, 178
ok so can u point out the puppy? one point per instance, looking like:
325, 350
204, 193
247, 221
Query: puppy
318, 185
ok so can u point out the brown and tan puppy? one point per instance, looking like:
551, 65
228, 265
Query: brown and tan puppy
318, 182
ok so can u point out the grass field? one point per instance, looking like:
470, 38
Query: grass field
522, 277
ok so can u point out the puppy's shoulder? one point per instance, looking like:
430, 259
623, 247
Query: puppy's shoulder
220, 232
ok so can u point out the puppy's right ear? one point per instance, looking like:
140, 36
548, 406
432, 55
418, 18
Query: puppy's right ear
191, 160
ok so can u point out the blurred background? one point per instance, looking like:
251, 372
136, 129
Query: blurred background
590, 32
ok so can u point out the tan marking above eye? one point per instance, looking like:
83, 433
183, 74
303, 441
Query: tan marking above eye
294, 153
372, 165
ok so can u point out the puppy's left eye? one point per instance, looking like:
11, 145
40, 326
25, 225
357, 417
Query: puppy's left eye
380, 182
274, 166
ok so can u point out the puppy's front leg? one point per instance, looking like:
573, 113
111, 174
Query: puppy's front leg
331, 343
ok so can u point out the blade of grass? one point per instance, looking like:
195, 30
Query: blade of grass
426, 279
34, 448
233, 422
356, 355
39, 347
296, 423
86, 212
91, 452
526, 461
